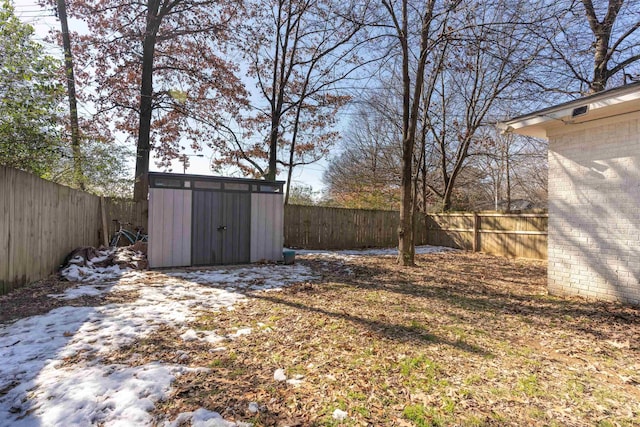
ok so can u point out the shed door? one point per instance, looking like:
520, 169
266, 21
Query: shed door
221, 228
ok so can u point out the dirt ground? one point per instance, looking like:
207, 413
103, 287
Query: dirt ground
461, 339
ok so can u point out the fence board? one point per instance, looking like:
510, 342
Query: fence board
511, 235
314, 227
41, 222
5, 207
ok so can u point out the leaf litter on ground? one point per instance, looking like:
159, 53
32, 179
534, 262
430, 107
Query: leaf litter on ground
461, 339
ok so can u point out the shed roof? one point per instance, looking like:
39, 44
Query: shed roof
609, 103
214, 183
213, 178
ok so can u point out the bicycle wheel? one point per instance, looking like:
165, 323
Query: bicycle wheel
128, 238
115, 240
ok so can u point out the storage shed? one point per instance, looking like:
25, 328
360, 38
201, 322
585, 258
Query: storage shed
205, 220
594, 193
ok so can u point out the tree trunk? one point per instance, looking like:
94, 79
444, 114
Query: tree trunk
291, 154
273, 148
602, 33
600, 71
446, 200
508, 178
406, 248
446, 194
78, 175
424, 184
405, 227
141, 186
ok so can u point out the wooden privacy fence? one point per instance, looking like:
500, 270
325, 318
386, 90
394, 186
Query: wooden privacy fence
512, 235
41, 222
127, 211
315, 227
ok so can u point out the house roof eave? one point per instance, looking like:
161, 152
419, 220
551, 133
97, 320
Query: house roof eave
538, 122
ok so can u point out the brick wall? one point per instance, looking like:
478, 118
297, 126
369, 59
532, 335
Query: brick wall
594, 209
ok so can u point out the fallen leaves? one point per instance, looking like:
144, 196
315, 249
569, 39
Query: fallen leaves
462, 339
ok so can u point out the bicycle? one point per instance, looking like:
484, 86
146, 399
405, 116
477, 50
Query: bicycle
128, 236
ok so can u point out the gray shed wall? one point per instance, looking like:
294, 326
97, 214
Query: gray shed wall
221, 222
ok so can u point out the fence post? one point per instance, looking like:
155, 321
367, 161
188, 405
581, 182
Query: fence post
105, 227
476, 231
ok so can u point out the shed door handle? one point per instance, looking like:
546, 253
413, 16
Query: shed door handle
222, 228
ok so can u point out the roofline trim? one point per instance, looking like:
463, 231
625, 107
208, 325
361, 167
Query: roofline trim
559, 112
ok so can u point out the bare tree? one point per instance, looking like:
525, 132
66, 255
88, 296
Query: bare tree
478, 60
299, 52
420, 28
366, 171
515, 168
490, 54
609, 47
592, 43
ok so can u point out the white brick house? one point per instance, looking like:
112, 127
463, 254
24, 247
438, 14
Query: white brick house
594, 193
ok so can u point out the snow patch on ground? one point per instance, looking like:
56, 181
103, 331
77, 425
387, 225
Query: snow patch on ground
39, 387
89, 395
256, 278
339, 415
204, 418
347, 254
78, 273
84, 291
53, 372
279, 375
88, 264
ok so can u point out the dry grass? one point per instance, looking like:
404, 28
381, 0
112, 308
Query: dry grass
462, 339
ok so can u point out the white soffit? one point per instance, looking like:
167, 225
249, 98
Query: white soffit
610, 103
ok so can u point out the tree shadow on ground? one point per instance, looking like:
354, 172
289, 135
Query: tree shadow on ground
392, 331
482, 285
366, 321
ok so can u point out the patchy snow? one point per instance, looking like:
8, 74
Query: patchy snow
90, 273
296, 380
89, 264
85, 290
279, 375
52, 371
339, 415
204, 418
240, 332
256, 278
347, 254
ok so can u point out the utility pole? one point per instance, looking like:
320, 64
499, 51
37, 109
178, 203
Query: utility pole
78, 176
184, 158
